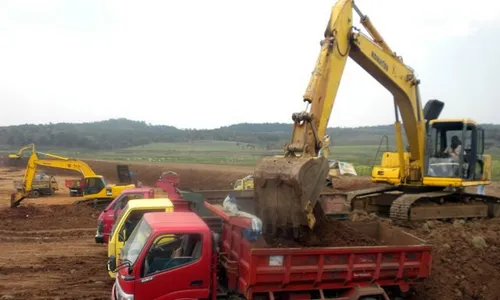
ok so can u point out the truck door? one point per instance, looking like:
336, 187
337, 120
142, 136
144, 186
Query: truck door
175, 267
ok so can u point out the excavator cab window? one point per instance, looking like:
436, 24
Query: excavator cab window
94, 185
453, 150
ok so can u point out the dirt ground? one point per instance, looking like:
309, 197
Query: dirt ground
48, 250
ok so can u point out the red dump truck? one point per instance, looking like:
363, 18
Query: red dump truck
179, 255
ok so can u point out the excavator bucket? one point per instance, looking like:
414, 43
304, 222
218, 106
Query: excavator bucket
286, 191
16, 198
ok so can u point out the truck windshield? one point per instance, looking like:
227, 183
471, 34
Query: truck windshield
136, 242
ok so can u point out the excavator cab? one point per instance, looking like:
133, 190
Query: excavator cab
94, 185
456, 151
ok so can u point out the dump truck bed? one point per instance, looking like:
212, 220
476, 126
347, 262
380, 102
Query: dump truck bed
255, 267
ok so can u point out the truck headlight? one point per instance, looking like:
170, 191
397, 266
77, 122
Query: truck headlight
120, 294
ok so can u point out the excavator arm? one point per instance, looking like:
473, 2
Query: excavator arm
287, 188
65, 163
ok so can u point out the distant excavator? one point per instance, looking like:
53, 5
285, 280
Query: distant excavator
96, 188
21, 150
426, 182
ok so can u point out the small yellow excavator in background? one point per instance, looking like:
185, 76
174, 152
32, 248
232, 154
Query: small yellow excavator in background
426, 182
96, 187
21, 150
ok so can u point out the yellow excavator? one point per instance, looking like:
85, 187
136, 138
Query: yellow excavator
21, 150
427, 180
96, 187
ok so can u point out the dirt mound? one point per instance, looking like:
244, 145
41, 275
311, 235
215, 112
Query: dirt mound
465, 260
192, 176
48, 252
345, 184
38, 217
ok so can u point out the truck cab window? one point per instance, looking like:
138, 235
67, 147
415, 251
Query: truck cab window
172, 251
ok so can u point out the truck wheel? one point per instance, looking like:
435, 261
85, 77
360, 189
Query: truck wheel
35, 194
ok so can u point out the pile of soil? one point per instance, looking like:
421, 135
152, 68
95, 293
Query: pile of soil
192, 176
48, 252
36, 217
465, 263
327, 233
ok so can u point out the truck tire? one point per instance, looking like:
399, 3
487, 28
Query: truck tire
35, 194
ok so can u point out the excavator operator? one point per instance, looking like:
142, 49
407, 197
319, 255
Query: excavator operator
455, 147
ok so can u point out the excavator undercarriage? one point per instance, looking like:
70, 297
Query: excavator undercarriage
412, 204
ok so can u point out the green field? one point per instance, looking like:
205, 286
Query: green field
233, 153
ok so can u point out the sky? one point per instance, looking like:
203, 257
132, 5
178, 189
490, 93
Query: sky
206, 64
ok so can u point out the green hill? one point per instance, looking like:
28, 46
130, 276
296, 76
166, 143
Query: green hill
123, 133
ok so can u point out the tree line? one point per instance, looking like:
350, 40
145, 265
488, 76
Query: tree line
123, 133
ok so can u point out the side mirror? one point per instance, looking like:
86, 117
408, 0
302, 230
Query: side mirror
112, 263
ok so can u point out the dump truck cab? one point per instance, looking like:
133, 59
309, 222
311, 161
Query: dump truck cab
168, 256
109, 215
128, 220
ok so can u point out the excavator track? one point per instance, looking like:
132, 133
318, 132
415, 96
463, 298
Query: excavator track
400, 208
94, 203
435, 205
